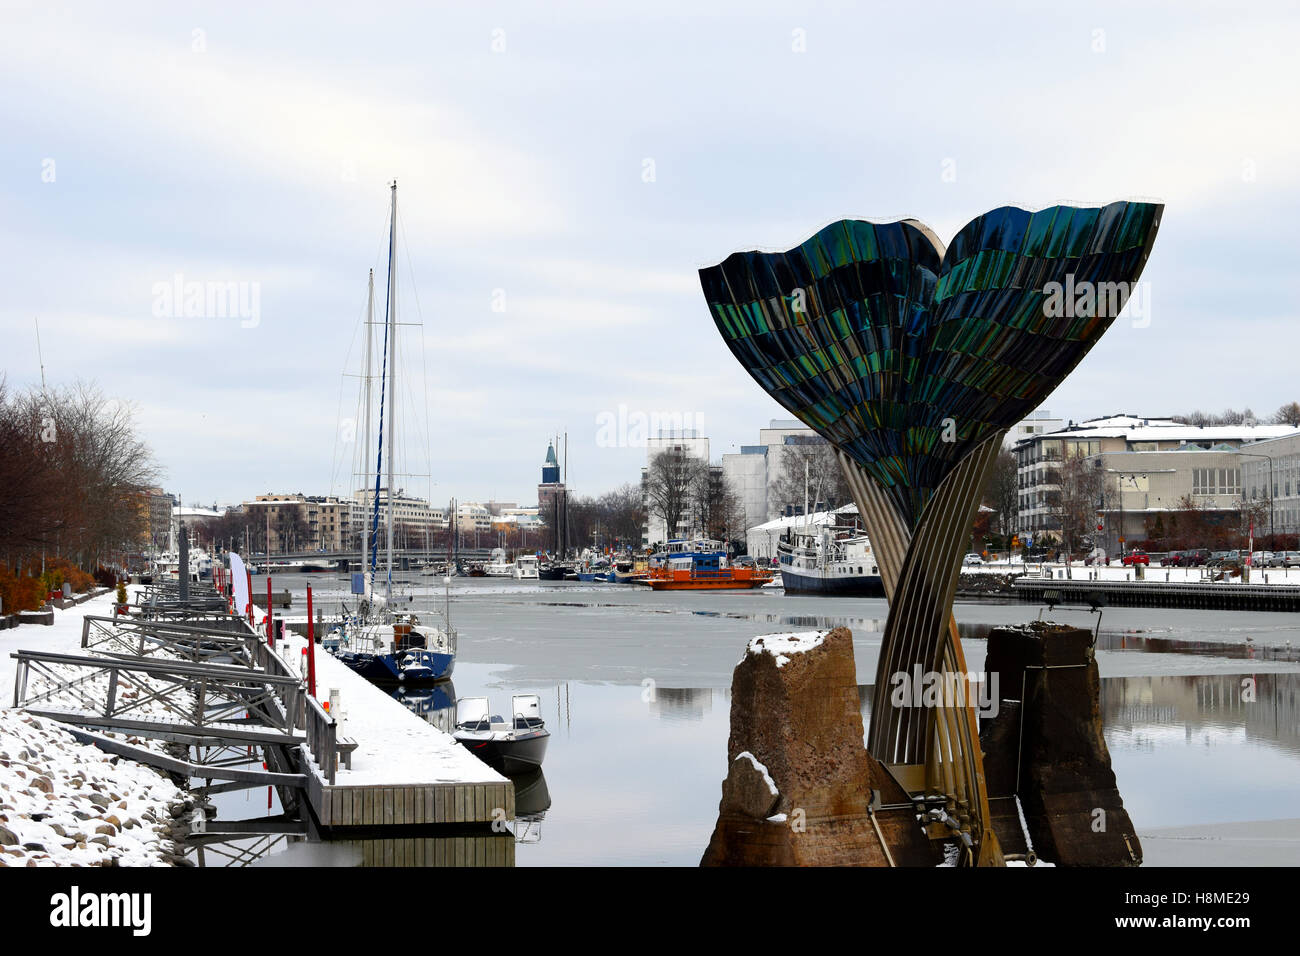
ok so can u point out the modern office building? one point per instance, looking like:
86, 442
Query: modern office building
1147, 466
1270, 474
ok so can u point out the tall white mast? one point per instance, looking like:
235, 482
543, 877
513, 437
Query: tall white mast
365, 441
392, 375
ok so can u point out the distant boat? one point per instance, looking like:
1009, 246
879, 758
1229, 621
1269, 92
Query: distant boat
513, 746
551, 572
829, 561
700, 565
498, 566
526, 568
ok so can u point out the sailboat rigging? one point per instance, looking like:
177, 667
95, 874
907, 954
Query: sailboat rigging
379, 642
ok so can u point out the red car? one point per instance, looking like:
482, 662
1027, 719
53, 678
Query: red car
1136, 557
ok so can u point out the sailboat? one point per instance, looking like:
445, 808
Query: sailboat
379, 642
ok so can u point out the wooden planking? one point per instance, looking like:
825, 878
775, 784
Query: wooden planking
407, 805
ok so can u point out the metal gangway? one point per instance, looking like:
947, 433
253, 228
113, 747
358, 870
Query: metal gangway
209, 684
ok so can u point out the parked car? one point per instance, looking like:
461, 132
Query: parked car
971, 559
1174, 559
1195, 557
1217, 558
1136, 557
1260, 559
1097, 556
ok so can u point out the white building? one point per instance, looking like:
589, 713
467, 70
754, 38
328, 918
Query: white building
415, 515
1270, 472
1037, 422
689, 443
1125, 445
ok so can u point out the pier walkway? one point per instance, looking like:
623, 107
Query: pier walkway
194, 675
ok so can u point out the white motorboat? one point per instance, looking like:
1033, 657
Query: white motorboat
498, 566
526, 567
512, 746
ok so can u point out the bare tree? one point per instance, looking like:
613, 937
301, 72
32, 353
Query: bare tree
80, 451
1002, 494
669, 483
825, 478
1082, 487
1288, 414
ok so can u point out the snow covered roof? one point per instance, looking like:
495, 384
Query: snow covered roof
1163, 429
817, 518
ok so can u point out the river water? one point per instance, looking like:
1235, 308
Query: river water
635, 692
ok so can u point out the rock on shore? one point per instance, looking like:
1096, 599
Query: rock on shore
63, 803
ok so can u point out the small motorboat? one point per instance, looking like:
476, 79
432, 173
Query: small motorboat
513, 746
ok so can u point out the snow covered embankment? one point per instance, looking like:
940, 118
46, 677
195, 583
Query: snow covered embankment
63, 803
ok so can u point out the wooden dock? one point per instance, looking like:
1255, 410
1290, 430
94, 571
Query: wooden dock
220, 686
1220, 596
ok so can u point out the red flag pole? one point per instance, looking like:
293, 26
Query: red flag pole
270, 634
311, 648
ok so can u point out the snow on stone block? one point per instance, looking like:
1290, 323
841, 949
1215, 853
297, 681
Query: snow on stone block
767, 777
782, 646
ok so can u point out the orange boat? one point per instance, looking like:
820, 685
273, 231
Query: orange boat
691, 579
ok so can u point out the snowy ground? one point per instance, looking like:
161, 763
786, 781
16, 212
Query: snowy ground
63, 803
70, 804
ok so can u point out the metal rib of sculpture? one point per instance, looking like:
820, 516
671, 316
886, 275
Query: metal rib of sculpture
913, 361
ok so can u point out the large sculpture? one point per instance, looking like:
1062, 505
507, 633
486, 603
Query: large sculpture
913, 361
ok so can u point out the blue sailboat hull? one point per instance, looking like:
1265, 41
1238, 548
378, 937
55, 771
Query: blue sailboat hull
388, 668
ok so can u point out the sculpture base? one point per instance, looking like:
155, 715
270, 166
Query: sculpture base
799, 779
1048, 731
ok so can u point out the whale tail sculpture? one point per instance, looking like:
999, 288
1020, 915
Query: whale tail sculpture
913, 361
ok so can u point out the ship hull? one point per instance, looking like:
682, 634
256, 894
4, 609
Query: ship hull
796, 581
387, 668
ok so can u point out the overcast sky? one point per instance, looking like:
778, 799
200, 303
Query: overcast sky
564, 169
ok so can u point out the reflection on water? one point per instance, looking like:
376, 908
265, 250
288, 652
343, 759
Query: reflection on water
683, 703
532, 800
436, 703
634, 780
634, 769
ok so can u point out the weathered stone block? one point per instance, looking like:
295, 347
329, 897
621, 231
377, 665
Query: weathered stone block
1047, 735
795, 713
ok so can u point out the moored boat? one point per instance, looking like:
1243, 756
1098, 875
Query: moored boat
829, 561
513, 746
526, 568
700, 565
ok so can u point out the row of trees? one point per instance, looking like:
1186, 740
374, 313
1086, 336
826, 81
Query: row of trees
1288, 414
73, 473
684, 491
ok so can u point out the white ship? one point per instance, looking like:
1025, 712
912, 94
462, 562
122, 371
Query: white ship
829, 560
